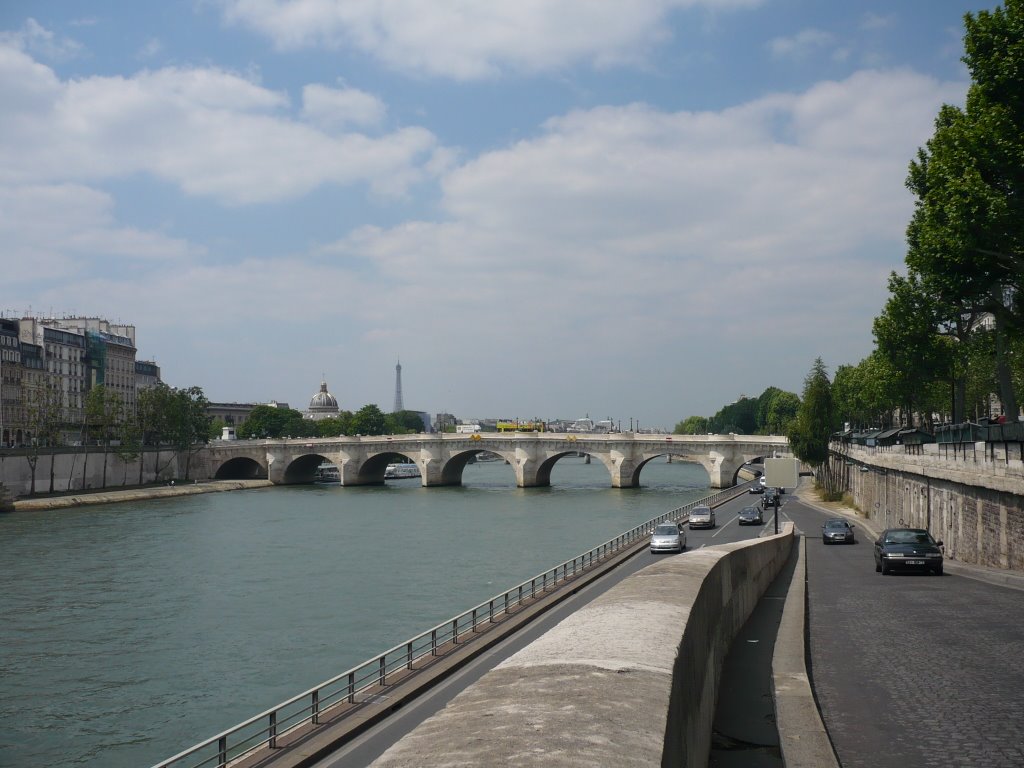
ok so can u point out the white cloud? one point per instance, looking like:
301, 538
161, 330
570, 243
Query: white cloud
332, 108
627, 229
39, 41
151, 48
63, 233
468, 41
803, 43
212, 132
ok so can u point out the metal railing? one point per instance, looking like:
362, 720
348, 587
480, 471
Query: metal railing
359, 684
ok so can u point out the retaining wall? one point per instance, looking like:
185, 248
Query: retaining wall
630, 679
83, 471
976, 508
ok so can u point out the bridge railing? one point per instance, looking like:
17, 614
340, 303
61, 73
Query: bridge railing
359, 684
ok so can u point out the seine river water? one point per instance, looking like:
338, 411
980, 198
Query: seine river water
131, 631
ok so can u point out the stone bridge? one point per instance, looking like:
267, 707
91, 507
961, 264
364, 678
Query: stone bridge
441, 458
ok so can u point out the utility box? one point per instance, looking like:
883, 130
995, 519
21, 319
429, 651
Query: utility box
782, 473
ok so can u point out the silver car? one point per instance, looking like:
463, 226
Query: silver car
668, 537
702, 517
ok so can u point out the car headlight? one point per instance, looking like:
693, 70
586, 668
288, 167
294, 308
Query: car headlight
893, 554
933, 554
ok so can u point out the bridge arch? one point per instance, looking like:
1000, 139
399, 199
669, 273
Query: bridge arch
241, 468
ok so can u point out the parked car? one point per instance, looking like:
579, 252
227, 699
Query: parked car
907, 549
837, 531
750, 516
668, 537
702, 517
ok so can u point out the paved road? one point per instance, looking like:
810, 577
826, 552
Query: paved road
911, 670
368, 746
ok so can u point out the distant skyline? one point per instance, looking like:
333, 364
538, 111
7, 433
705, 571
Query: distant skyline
633, 210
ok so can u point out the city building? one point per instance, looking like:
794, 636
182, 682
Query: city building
323, 405
11, 408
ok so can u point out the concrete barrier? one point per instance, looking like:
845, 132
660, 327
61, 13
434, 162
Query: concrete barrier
630, 679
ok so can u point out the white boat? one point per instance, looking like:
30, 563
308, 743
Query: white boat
400, 471
327, 473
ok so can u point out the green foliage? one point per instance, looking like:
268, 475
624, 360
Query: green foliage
403, 422
692, 425
815, 421
771, 413
739, 417
776, 410
335, 427
266, 421
368, 420
966, 237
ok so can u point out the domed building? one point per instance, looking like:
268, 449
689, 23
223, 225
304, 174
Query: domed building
323, 405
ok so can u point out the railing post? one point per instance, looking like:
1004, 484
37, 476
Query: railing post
351, 687
316, 707
433, 642
383, 670
455, 631
222, 751
472, 627
272, 743
491, 609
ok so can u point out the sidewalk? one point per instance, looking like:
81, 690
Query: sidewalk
134, 494
809, 496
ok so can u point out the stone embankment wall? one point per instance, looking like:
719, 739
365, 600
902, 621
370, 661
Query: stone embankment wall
629, 679
84, 471
973, 502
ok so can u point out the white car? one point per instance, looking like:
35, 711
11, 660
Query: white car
668, 537
702, 517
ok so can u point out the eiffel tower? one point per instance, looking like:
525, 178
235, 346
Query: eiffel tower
399, 406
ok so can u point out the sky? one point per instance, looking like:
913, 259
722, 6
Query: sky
542, 208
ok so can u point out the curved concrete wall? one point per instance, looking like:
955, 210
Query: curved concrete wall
629, 680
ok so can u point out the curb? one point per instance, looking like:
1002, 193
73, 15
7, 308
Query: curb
802, 735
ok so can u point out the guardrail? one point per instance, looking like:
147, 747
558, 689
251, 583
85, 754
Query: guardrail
310, 707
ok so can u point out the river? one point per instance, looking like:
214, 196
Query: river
131, 631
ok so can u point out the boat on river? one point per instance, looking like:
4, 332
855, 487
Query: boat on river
327, 474
401, 471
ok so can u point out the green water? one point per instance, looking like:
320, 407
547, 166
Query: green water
132, 631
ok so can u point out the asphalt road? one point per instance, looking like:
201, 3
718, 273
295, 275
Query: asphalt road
365, 748
911, 670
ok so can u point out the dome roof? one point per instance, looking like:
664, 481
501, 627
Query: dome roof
323, 401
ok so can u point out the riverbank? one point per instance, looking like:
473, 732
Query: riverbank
134, 494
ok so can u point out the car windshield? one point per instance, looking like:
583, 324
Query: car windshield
700, 513
667, 529
835, 524
908, 537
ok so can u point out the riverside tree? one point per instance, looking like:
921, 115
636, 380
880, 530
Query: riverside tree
966, 236
813, 427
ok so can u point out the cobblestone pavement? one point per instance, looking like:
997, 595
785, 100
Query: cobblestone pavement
911, 670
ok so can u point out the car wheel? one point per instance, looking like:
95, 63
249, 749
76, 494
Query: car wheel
938, 571
884, 570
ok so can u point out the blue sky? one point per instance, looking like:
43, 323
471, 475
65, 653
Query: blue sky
545, 209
